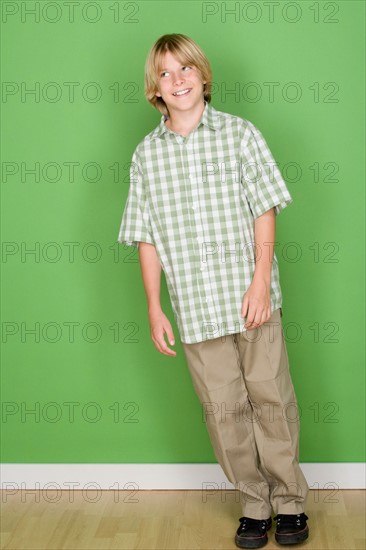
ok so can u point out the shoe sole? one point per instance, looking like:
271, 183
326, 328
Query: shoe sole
292, 538
254, 542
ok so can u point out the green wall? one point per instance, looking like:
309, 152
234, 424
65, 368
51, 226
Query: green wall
87, 385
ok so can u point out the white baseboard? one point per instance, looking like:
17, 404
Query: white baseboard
319, 475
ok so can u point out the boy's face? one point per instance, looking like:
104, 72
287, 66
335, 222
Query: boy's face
176, 77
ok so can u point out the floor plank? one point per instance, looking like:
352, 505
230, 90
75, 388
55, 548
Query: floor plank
164, 520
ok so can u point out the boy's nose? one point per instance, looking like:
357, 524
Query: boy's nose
178, 80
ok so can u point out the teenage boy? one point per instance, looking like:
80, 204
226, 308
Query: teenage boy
203, 198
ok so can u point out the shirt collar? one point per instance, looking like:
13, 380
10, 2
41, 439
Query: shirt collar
210, 117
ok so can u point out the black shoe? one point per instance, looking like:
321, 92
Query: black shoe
291, 528
252, 533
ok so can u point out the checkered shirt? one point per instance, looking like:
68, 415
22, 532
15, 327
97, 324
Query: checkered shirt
196, 198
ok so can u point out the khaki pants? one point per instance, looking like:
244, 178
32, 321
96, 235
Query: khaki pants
244, 385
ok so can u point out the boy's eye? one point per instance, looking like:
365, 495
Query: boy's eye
167, 72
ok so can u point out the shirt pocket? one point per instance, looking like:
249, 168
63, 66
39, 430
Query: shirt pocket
231, 178
223, 180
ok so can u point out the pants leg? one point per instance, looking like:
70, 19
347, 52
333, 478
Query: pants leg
219, 384
236, 378
265, 366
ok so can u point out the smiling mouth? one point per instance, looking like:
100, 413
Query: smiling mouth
182, 92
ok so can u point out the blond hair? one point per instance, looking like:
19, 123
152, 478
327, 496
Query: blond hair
187, 52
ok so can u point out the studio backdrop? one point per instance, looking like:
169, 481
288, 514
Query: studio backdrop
81, 379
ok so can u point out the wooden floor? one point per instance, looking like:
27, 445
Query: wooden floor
164, 520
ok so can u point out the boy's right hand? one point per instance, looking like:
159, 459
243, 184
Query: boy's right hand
159, 325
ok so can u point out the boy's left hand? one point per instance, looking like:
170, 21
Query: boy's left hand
256, 305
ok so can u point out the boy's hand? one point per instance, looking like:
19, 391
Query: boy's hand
159, 325
257, 303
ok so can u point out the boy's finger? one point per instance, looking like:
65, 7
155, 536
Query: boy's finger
169, 334
163, 345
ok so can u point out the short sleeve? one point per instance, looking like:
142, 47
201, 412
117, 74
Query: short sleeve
136, 225
262, 180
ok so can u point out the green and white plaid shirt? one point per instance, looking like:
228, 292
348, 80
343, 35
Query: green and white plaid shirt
196, 198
